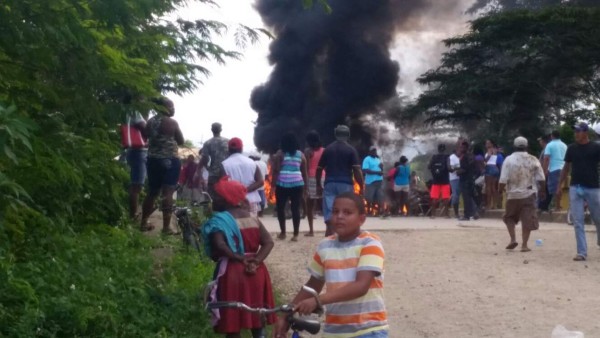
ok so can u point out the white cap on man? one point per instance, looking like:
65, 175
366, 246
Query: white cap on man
520, 142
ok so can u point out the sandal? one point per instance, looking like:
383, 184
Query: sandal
579, 258
146, 227
525, 249
309, 234
281, 236
512, 246
294, 238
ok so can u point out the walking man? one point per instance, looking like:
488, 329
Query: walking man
340, 161
582, 157
440, 188
554, 161
520, 171
214, 152
373, 171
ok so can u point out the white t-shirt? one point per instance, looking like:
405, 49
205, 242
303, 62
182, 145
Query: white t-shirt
455, 164
492, 160
520, 173
241, 168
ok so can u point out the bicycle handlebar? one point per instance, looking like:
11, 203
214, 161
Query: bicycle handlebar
309, 325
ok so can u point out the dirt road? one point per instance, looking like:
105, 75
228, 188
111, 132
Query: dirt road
443, 280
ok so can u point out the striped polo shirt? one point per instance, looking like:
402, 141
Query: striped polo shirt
337, 263
290, 175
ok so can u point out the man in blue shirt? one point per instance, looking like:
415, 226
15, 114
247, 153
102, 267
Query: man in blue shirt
553, 163
373, 171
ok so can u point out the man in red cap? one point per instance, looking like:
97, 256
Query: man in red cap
243, 169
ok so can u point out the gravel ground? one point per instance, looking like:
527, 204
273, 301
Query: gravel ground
463, 283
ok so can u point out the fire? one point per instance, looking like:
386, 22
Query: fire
269, 187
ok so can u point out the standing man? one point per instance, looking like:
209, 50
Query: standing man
582, 157
440, 188
453, 166
373, 171
214, 152
466, 176
244, 170
340, 160
554, 161
520, 172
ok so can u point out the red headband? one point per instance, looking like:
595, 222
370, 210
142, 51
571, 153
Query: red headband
232, 191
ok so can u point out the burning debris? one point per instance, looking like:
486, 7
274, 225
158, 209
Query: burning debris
331, 68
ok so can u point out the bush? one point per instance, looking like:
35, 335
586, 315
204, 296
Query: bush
103, 282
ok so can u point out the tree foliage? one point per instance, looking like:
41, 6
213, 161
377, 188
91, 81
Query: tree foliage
70, 70
517, 72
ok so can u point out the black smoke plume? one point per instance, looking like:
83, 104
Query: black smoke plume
328, 68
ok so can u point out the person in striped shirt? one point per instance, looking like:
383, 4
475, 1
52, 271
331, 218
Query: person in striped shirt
350, 265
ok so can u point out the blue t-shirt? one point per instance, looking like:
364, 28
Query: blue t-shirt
372, 163
402, 175
556, 149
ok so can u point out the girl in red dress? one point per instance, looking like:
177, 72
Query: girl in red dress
239, 243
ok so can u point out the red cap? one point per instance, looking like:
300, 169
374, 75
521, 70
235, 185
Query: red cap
235, 143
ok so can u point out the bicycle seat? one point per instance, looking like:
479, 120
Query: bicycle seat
311, 326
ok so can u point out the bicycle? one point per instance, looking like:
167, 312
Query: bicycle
297, 324
188, 219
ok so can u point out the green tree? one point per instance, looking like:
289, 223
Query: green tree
516, 72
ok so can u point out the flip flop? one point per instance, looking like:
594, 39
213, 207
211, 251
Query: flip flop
309, 234
146, 228
525, 249
512, 246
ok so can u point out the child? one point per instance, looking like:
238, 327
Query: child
239, 243
350, 263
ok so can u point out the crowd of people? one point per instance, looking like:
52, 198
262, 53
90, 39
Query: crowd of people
349, 261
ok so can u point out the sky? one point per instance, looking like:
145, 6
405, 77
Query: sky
224, 96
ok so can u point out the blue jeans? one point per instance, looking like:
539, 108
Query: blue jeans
592, 197
455, 188
330, 191
136, 159
375, 334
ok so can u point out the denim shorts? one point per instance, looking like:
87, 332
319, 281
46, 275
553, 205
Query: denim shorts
492, 170
330, 191
136, 159
163, 172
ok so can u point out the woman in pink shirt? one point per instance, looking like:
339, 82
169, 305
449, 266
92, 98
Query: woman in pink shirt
313, 154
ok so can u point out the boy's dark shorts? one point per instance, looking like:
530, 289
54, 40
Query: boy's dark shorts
523, 210
163, 172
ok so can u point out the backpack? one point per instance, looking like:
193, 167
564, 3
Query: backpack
439, 167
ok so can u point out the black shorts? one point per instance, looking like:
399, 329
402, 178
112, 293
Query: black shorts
163, 172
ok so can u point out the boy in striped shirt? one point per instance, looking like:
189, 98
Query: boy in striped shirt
350, 264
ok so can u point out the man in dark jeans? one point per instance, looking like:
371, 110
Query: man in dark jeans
467, 182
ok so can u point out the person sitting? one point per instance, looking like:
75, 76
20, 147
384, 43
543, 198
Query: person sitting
239, 243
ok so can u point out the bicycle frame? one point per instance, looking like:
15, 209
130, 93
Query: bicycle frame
296, 324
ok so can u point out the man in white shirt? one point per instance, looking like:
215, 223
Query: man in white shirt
453, 165
262, 166
244, 170
521, 174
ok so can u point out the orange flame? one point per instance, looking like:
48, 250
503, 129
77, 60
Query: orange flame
269, 187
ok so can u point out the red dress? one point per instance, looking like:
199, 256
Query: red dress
236, 285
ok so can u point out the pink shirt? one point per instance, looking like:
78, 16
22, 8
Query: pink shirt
313, 162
